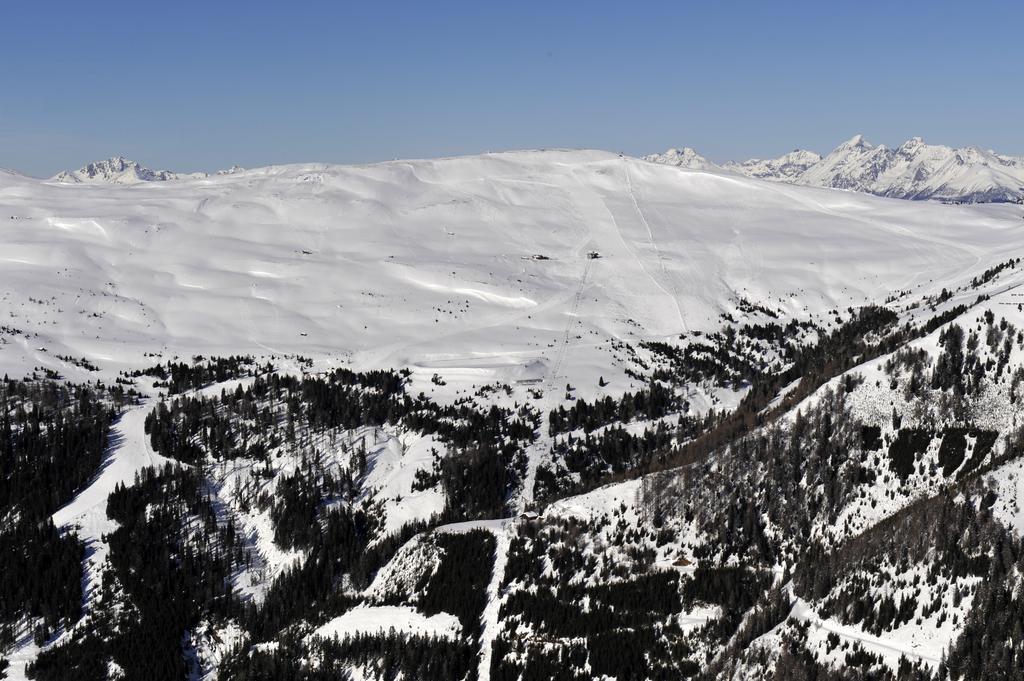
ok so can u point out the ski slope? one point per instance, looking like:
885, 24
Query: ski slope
129, 452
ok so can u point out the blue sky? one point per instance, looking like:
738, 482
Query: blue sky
203, 85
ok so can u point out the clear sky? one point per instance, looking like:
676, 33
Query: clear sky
203, 85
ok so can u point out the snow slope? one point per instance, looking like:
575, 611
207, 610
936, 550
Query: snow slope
385, 618
922, 643
491, 621
129, 452
479, 268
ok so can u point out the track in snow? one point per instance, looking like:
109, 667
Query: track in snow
491, 624
540, 448
573, 310
128, 453
657, 251
886, 648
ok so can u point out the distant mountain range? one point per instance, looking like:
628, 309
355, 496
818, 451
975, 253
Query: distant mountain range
914, 170
119, 170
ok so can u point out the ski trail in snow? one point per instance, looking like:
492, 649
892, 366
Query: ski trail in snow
500, 528
214, 491
601, 217
540, 448
128, 452
492, 624
803, 612
573, 310
657, 251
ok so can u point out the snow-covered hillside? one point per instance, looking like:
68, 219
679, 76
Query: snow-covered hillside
493, 266
914, 170
529, 415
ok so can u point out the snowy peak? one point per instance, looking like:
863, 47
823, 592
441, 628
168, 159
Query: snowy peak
855, 164
913, 170
120, 170
917, 170
856, 142
683, 158
785, 167
912, 146
116, 170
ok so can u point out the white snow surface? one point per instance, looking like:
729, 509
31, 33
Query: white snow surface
598, 502
434, 264
128, 453
915, 643
392, 467
1008, 483
385, 618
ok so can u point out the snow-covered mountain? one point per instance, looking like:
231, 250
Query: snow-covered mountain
119, 170
357, 260
556, 414
115, 170
787, 167
683, 158
914, 170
